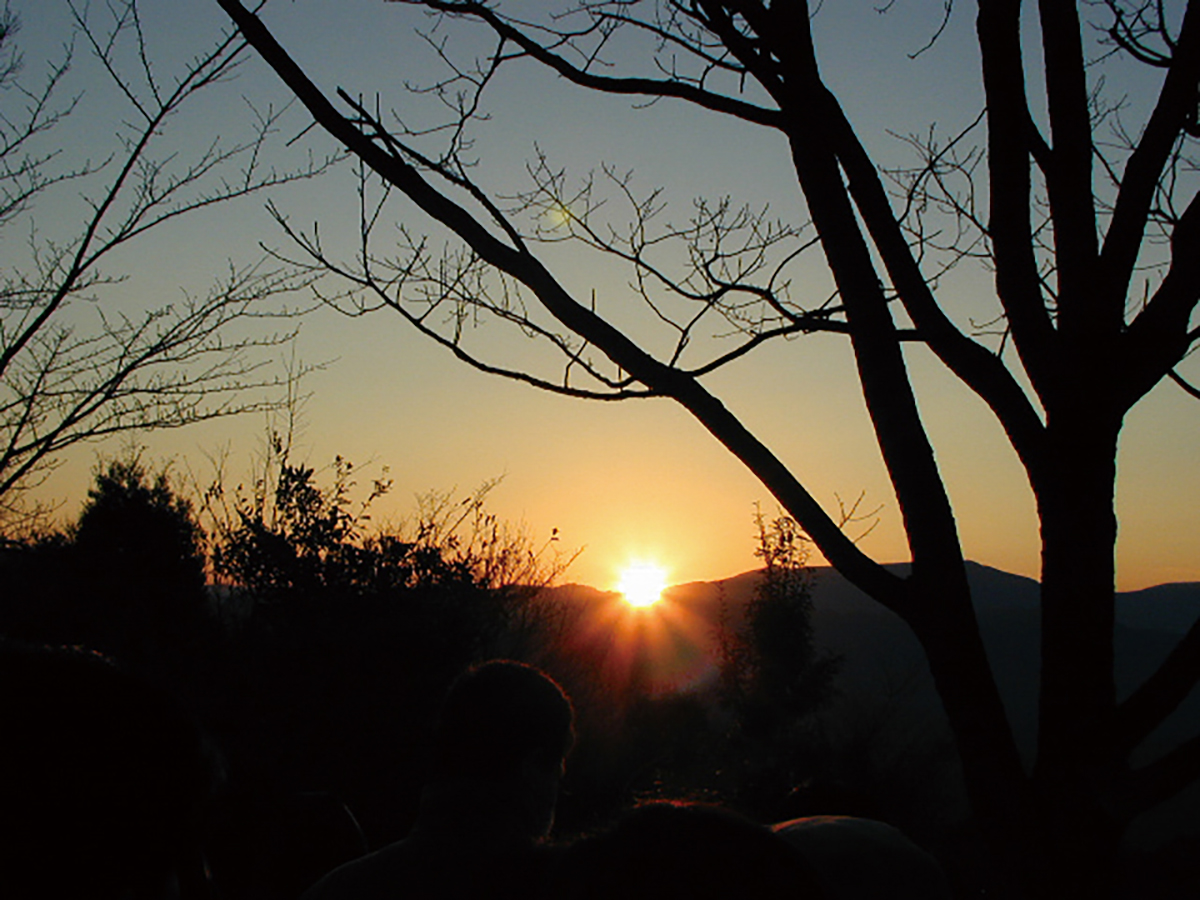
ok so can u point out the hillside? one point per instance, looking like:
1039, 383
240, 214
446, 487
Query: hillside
878, 648
884, 686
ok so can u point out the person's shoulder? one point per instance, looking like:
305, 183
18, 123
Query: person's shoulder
365, 878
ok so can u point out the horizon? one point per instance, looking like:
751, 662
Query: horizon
825, 566
636, 480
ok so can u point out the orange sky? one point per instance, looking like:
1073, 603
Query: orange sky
637, 480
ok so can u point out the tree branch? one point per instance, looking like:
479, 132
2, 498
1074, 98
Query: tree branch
1018, 281
1187, 386
1162, 779
837, 547
1095, 315
979, 369
648, 87
1158, 337
63, 382
1143, 171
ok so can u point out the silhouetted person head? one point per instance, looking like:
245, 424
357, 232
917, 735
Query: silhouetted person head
499, 746
496, 716
662, 851
506, 723
102, 781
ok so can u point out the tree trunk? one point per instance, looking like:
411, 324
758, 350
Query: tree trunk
1078, 761
996, 785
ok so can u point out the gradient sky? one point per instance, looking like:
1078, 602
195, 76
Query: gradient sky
640, 479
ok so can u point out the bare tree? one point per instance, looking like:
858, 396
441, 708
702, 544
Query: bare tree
1090, 226
75, 365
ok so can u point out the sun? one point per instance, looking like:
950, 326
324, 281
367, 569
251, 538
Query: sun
642, 584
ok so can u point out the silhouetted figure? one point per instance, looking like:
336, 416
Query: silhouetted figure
664, 851
862, 859
102, 782
500, 742
267, 844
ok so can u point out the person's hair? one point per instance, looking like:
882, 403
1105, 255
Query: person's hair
102, 780
672, 849
495, 716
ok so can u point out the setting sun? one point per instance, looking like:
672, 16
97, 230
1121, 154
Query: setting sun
643, 584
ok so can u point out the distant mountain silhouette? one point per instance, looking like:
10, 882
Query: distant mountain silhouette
881, 655
885, 691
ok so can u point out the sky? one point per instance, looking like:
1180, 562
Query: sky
637, 480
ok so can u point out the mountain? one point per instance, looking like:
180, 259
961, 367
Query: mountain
885, 695
883, 662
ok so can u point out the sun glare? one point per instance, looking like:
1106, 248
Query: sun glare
559, 215
643, 584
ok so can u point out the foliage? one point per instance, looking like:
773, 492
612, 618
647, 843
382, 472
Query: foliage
771, 672
329, 679
287, 535
772, 677
127, 577
294, 536
342, 634
136, 526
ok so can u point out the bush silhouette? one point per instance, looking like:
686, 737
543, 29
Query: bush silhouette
126, 578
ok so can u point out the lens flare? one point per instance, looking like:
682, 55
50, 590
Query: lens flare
559, 216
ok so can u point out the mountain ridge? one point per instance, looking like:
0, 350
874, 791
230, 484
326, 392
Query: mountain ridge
878, 649
1171, 606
